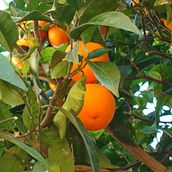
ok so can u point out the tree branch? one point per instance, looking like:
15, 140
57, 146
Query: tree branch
49, 110
147, 159
36, 32
81, 168
19, 49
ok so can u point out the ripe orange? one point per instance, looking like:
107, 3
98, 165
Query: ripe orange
41, 23
167, 25
90, 46
57, 36
17, 62
98, 109
43, 34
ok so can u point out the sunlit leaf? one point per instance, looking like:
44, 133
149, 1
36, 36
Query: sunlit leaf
111, 18
74, 103
8, 31
72, 56
8, 74
9, 94
162, 2
60, 70
108, 74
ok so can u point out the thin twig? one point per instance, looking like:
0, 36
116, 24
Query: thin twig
19, 49
82, 168
36, 32
52, 102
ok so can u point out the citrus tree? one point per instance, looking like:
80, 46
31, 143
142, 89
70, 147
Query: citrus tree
85, 86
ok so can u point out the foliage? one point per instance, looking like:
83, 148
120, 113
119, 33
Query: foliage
39, 128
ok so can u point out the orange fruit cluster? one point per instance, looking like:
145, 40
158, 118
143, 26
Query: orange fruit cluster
25, 42
99, 104
86, 70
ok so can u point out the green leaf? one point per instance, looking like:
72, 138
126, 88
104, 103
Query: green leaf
88, 34
105, 161
75, 98
47, 54
150, 130
154, 74
111, 18
169, 13
35, 15
162, 2
60, 70
92, 153
73, 104
32, 152
52, 54
60, 157
20, 4
95, 7
5, 114
39, 167
108, 74
97, 53
8, 74
31, 111
76, 3
72, 56
168, 132
9, 94
8, 31
58, 56
63, 12
12, 160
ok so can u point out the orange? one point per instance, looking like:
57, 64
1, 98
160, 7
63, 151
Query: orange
52, 85
98, 109
23, 42
17, 62
41, 23
57, 36
90, 46
134, 2
166, 24
43, 34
